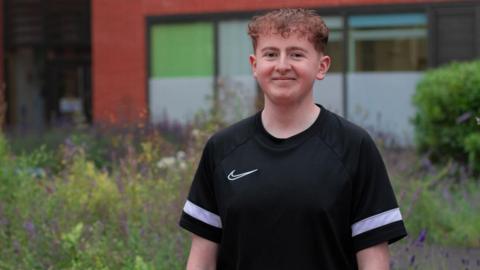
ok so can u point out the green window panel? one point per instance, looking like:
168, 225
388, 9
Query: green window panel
181, 50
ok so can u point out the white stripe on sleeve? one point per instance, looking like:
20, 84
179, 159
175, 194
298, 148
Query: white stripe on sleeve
376, 221
201, 214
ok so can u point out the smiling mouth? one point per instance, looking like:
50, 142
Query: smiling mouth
283, 79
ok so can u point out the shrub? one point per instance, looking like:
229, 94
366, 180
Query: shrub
472, 146
448, 104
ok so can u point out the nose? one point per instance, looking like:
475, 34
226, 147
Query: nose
283, 65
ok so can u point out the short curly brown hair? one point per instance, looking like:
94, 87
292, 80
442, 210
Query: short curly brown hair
290, 20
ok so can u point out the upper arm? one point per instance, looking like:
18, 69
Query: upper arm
203, 254
374, 258
375, 215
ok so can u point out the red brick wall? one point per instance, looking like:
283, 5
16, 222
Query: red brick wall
2, 75
2, 52
118, 60
118, 42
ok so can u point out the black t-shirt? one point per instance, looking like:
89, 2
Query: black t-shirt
310, 201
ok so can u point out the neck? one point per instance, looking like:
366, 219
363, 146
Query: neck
283, 121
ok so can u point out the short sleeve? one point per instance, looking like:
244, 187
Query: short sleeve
200, 213
376, 217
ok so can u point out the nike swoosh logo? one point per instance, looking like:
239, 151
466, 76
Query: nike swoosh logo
232, 176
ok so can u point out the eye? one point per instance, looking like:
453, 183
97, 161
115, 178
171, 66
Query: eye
297, 55
270, 54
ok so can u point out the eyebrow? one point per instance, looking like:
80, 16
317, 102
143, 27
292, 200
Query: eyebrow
296, 49
288, 49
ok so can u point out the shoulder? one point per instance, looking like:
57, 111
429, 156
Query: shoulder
340, 132
346, 139
228, 139
237, 131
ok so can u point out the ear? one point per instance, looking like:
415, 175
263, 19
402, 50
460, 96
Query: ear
253, 64
323, 67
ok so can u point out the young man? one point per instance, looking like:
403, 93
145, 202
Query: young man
294, 186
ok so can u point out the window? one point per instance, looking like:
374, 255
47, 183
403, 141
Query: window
172, 53
335, 43
181, 70
395, 42
236, 86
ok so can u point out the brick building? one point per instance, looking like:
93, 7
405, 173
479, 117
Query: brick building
171, 58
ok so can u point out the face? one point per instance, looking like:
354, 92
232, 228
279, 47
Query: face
286, 68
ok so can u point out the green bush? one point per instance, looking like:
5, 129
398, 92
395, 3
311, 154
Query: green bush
448, 102
472, 146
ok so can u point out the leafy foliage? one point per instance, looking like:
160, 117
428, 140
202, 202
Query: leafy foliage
86, 216
447, 101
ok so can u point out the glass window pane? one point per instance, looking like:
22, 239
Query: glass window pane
333, 23
234, 48
390, 55
388, 43
182, 50
182, 69
237, 89
335, 51
329, 91
387, 20
335, 43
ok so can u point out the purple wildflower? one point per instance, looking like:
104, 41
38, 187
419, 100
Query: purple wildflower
421, 237
30, 228
412, 260
464, 117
